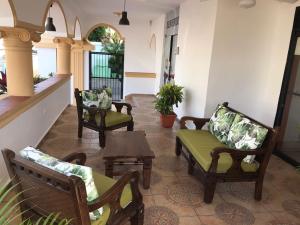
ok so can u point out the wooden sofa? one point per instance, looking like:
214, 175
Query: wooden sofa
218, 162
45, 191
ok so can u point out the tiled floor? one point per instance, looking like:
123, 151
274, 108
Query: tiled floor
175, 197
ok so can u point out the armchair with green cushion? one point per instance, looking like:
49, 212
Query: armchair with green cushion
97, 115
235, 148
45, 191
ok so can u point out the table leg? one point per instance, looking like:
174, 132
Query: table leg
147, 166
109, 168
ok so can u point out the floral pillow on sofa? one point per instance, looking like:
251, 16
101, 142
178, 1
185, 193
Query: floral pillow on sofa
220, 123
68, 169
246, 135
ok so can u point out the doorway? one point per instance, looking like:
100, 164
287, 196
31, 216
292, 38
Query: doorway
106, 62
171, 50
288, 112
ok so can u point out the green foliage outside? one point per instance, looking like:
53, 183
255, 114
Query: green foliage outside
112, 44
98, 34
9, 210
168, 96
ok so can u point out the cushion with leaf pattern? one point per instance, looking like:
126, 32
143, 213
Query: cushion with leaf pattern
101, 98
68, 169
220, 123
245, 134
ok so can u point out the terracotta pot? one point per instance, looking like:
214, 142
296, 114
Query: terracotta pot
167, 121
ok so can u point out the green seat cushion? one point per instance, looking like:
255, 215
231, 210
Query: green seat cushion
220, 123
103, 184
200, 144
112, 118
245, 134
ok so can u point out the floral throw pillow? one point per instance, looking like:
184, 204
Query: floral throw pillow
246, 135
220, 123
99, 98
69, 169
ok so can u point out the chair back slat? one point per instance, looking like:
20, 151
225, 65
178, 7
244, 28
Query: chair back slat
45, 191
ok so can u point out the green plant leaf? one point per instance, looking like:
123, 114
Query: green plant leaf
168, 96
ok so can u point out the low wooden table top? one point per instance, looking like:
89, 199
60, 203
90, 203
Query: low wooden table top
127, 144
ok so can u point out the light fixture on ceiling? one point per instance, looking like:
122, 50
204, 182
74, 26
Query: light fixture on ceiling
247, 3
124, 20
49, 24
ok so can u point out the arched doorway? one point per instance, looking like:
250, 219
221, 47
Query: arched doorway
107, 60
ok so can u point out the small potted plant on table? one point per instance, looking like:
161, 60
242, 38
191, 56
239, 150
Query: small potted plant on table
168, 96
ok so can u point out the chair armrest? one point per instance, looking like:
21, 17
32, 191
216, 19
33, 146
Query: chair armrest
236, 155
113, 195
92, 114
79, 157
199, 122
120, 105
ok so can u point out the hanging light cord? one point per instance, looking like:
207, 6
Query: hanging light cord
124, 5
50, 10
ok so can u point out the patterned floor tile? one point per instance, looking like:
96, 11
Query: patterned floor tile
175, 197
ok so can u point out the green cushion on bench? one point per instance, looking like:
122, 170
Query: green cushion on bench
200, 144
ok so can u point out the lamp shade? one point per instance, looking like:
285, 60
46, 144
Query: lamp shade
247, 3
49, 25
124, 20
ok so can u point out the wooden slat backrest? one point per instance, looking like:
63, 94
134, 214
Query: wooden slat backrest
46, 191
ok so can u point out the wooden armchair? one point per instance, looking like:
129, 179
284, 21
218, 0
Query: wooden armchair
101, 120
45, 191
219, 163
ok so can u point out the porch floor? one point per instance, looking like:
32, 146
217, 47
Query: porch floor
175, 197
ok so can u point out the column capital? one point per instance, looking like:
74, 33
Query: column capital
20, 34
63, 40
83, 45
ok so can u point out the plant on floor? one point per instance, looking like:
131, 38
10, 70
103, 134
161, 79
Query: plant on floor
9, 210
169, 95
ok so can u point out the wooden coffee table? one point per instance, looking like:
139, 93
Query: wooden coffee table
128, 148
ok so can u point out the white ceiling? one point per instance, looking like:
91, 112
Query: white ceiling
147, 9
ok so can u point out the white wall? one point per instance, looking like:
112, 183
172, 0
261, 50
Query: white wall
249, 57
195, 40
30, 127
6, 16
158, 29
134, 85
46, 61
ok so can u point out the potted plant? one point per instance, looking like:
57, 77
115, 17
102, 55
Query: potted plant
168, 96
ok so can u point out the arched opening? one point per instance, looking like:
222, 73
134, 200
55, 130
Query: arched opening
107, 60
7, 13
44, 53
77, 30
55, 10
7, 19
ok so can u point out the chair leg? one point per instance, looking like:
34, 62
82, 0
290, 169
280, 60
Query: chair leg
209, 190
102, 139
138, 218
191, 164
258, 189
178, 147
80, 130
130, 126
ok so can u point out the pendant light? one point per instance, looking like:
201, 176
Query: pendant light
124, 20
49, 24
247, 3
